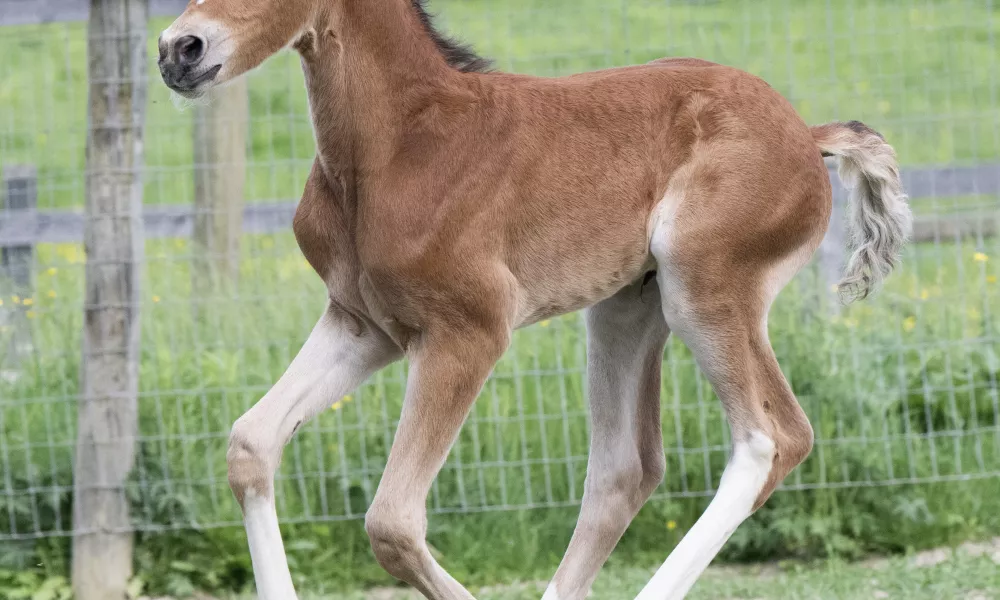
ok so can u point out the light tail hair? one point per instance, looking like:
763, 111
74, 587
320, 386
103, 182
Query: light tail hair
880, 221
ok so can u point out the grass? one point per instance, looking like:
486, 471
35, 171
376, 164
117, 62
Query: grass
966, 574
959, 577
901, 389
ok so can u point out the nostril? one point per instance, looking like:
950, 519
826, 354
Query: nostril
189, 50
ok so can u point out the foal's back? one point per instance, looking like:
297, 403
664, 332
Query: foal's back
580, 163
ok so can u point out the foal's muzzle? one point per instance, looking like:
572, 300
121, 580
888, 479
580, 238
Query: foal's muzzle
181, 63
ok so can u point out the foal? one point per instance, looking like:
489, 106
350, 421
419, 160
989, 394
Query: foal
449, 205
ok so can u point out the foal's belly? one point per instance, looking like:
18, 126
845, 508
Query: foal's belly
553, 285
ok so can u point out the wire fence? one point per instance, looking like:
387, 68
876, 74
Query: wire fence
901, 389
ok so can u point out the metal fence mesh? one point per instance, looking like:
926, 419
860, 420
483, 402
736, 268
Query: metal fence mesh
900, 389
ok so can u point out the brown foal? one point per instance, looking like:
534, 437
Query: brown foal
449, 205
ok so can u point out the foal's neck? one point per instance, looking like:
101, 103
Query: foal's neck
370, 73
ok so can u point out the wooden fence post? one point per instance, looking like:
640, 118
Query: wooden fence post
113, 236
220, 134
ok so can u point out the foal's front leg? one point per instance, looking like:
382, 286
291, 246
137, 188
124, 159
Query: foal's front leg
336, 358
446, 373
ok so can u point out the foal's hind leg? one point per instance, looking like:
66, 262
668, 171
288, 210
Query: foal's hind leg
717, 302
625, 338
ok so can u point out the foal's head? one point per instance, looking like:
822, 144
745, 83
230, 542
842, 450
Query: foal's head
214, 41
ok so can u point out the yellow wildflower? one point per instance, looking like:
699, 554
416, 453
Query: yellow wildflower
545, 323
51, 294
989, 279
73, 255
28, 301
671, 525
347, 399
15, 299
52, 271
337, 405
156, 299
980, 257
924, 294
909, 323
30, 314
1, 301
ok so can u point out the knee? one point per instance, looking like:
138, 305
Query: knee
249, 467
627, 484
396, 540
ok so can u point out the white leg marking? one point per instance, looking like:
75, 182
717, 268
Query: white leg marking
551, 593
267, 552
331, 363
742, 481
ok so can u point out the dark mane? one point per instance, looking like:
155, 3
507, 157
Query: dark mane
458, 55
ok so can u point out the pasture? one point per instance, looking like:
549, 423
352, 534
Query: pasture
902, 389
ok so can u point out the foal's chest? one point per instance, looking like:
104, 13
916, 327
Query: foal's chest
325, 231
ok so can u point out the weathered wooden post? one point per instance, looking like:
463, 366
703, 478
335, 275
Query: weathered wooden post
113, 238
220, 173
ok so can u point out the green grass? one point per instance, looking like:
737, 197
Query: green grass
969, 573
901, 389
955, 575
959, 578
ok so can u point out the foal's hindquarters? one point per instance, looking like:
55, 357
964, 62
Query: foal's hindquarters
716, 298
737, 221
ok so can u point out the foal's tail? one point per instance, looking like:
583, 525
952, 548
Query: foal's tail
880, 218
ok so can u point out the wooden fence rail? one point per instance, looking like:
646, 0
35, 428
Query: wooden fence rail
37, 12
32, 227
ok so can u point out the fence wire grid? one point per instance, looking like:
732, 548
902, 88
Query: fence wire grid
900, 389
